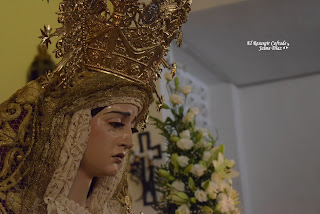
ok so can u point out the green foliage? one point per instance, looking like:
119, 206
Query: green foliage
176, 83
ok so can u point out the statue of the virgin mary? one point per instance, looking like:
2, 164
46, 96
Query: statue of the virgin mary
65, 137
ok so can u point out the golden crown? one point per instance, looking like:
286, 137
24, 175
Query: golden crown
126, 38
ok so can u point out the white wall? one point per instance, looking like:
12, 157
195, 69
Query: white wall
272, 131
223, 114
280, 135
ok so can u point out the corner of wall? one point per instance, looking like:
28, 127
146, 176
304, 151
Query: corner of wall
240, 147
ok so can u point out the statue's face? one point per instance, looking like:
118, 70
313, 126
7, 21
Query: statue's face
109, 140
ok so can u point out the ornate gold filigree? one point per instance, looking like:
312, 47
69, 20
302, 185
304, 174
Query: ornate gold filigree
15, 143
46, 35
130, 41
7, 136
174, 69
179, 39
160, 103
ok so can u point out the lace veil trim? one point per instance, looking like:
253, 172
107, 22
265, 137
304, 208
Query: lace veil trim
100, 202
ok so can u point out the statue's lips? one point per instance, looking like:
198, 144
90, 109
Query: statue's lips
118, 157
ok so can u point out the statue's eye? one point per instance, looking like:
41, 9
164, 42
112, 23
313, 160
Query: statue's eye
116, 124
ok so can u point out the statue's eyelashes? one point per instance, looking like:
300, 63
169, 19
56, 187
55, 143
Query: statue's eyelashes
117, 125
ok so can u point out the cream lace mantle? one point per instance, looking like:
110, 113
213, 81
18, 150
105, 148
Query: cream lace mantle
100, 201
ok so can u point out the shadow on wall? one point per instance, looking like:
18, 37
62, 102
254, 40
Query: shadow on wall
41, 64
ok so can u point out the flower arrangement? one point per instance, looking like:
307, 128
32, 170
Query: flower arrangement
196, 177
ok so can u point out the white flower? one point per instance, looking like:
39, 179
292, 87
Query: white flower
206, 155
198, 170
236, 211
225, 203
218, 162
206, 144
189, 117
215, 178
200, 195
183, 209
204, 131
221, 164
178, 185
186, 89
225, 186
185, 134
185, 144
168, 76
176, 99
212, 190
183, 161
220, 184
194, 110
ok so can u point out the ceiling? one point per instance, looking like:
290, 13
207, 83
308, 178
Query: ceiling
216, 35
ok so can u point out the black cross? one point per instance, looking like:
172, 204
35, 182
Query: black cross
138, 168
